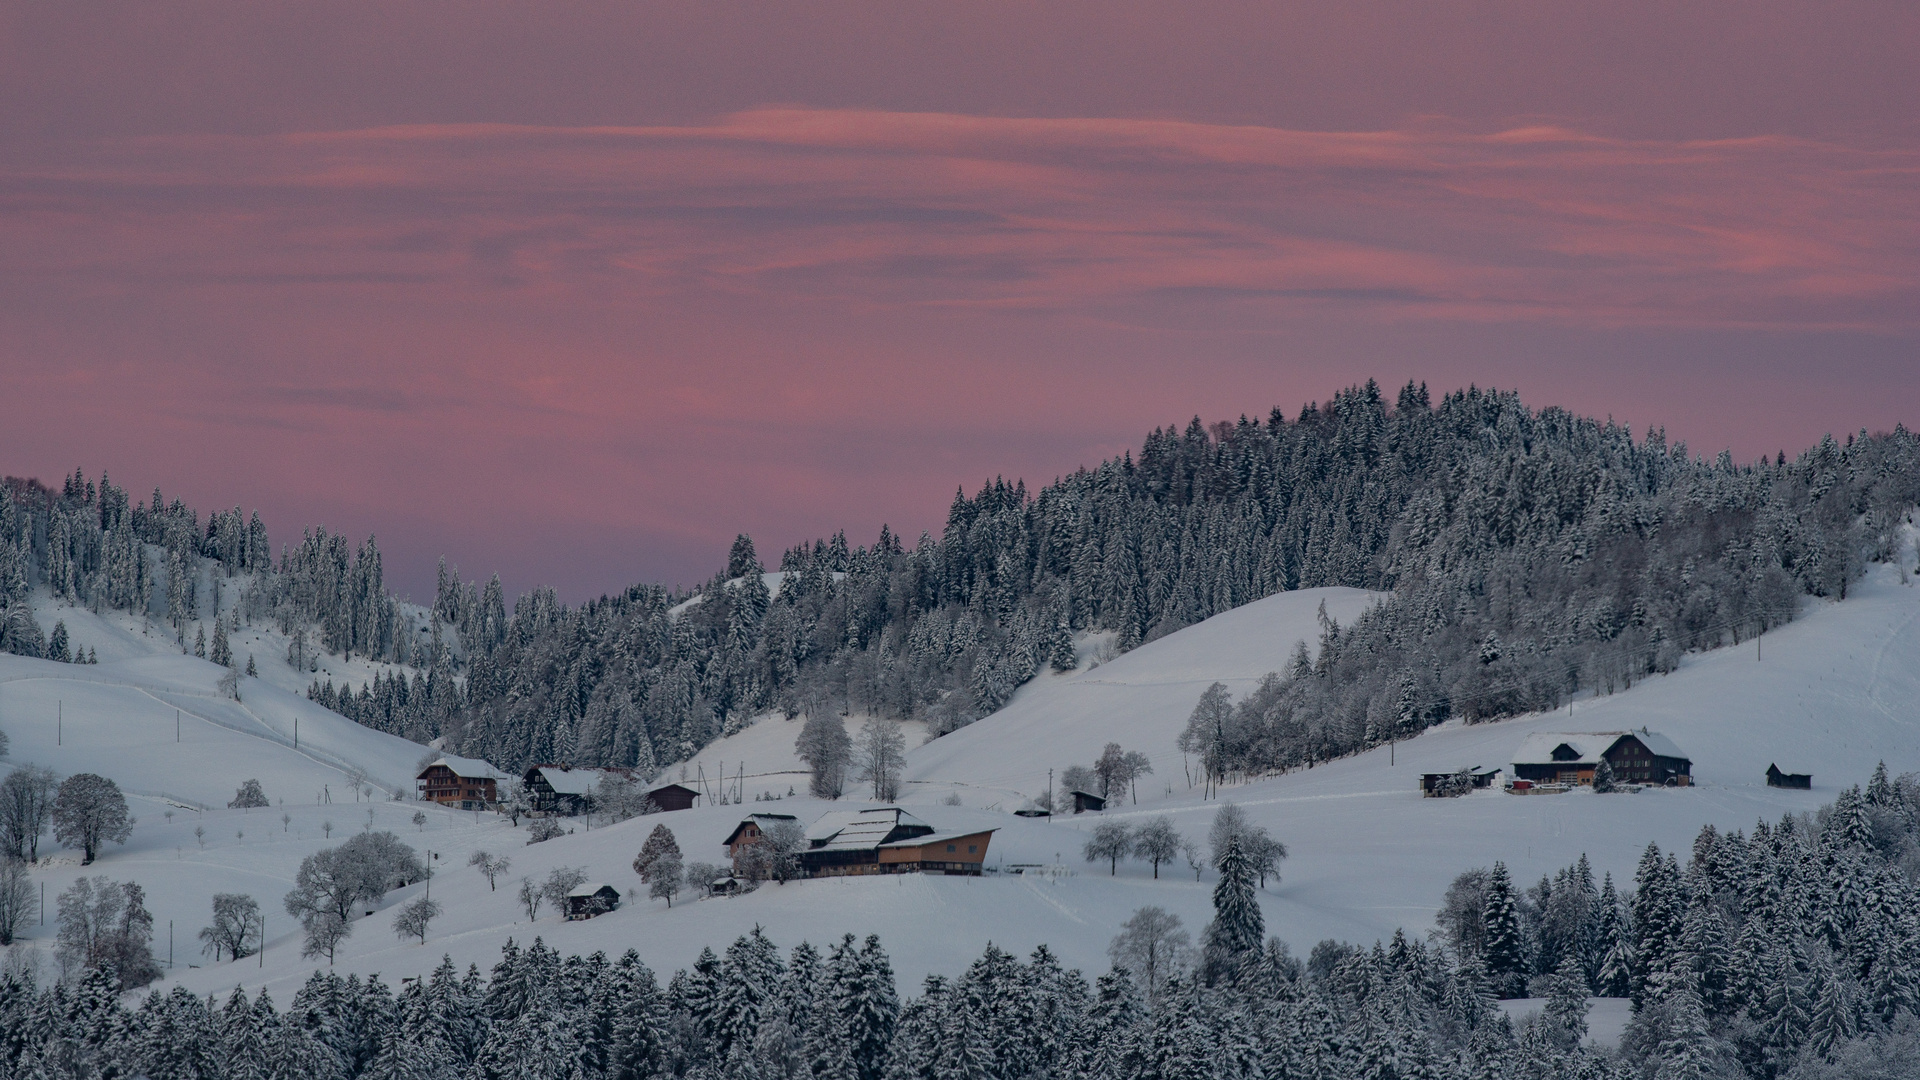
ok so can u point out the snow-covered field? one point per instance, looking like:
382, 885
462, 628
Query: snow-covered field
1833, 693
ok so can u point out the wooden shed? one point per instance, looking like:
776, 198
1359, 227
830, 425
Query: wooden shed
1776, 778
1084, 801
672, 797
1443, 783
591, 898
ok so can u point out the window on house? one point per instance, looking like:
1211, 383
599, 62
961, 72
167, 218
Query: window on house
950, 847
973, 847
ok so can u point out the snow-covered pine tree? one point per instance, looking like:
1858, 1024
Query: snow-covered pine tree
1238, 927
1506, 958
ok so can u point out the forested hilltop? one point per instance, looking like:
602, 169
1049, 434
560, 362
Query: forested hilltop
1528, 555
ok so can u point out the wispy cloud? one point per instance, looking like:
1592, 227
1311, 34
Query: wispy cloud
891, 209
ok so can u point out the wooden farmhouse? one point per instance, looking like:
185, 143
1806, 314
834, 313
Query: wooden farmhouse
590, 898
1776, 778
463, 783
752, 830
889, 841
1570, 758
558, 789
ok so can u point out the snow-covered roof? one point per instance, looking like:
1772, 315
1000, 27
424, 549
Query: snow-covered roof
566, 781
469, 768
762, 820
844, 830
590, 888
1538, 748
1658, 743
938, 838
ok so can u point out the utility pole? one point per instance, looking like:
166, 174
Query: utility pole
263, 939
1050, 791
176, 725
59, 722
296, 733
169, 944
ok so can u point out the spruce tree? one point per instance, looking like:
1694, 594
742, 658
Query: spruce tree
1506, 959
1238, 927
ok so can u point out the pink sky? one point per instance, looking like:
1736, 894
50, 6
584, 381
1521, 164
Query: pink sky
576, 297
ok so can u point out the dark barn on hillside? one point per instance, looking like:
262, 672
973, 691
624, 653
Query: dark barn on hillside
1776, 778
1084, 801
672, 797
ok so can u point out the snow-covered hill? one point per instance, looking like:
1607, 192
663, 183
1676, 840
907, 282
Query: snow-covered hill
1830, 694
156, 722
1140, 700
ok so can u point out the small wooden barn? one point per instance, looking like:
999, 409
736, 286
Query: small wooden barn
672, 797
1084, 801
590, 898
1776, 778
1441, 783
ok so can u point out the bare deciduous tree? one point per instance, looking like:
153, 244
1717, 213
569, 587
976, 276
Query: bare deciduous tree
1112, 841
490, 866
413, 919
1153, 947
236, 924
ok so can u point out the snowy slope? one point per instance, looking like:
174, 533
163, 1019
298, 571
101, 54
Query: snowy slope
1140, 700
118, 718
763, 752
1833, 693
120, 634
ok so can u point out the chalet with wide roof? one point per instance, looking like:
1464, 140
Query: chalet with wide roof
888, 840
460, 782
1571, 757
560, 789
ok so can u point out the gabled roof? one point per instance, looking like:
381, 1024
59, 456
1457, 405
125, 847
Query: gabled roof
590, 888
569, 781
1538, 748
762, 820
858, 830
938, 838
682, 787
466, 768
1658, 743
